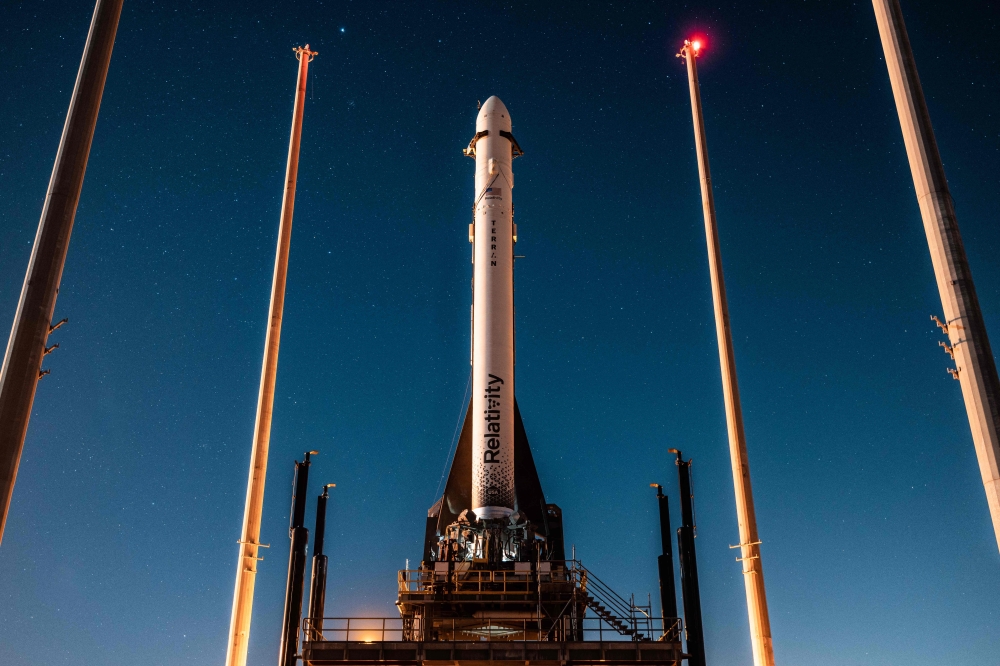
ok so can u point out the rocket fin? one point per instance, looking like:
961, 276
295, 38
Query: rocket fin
458, 491
528, 496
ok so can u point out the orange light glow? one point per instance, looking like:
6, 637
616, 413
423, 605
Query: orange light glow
696, 44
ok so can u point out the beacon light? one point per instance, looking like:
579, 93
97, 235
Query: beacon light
692, 46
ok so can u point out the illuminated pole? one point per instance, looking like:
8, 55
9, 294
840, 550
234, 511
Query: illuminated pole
970, 346
246, 569
33, 320
753, 571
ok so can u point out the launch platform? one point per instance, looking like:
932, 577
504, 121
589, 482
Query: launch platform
549, 612
498, 590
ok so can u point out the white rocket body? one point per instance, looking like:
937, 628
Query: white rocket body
493, 315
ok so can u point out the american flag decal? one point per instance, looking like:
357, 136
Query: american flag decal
493, 191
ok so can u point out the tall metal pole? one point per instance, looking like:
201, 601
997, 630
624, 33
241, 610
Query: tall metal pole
690, 590
246, 567
975, 368
753, 571
33, 320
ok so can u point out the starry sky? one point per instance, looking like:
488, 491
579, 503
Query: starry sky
121, 547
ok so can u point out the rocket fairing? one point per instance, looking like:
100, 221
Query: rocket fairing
493, 233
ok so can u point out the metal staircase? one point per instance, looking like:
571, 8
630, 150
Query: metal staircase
623, 616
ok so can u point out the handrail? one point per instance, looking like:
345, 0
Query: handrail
452, 630
624, 611
412, 581
462, 579
609, 597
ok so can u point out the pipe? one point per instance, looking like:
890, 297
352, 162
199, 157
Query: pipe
665, 564
689, 567
246, 566
22, 362
753, 570
975, 368
317, 583
288, 651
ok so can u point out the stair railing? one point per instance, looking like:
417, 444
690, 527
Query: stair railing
601, 594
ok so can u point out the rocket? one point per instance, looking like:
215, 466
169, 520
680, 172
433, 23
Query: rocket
492, 235
493, 497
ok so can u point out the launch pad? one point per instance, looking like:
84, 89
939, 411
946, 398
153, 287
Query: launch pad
498, 589
547, 611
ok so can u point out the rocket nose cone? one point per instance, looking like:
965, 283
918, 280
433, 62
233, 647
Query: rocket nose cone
493, 114
494, 105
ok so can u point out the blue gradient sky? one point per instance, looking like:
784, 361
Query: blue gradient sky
120, 546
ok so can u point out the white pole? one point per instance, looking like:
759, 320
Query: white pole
246, 569
753, 570
22, 363
969, 345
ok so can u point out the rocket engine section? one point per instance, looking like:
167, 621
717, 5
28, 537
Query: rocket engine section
492, 234
493, 541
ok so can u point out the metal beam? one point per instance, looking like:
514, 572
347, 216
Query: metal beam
246, 567
690, 590
33, 321
753, 570
288, 651
975, 367
665, 561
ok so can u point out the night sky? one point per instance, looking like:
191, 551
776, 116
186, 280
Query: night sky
121, 547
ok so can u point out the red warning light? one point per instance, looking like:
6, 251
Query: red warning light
693, 46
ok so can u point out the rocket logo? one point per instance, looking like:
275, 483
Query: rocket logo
493, 481
491, 418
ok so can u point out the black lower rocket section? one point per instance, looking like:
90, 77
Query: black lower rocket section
529, 500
